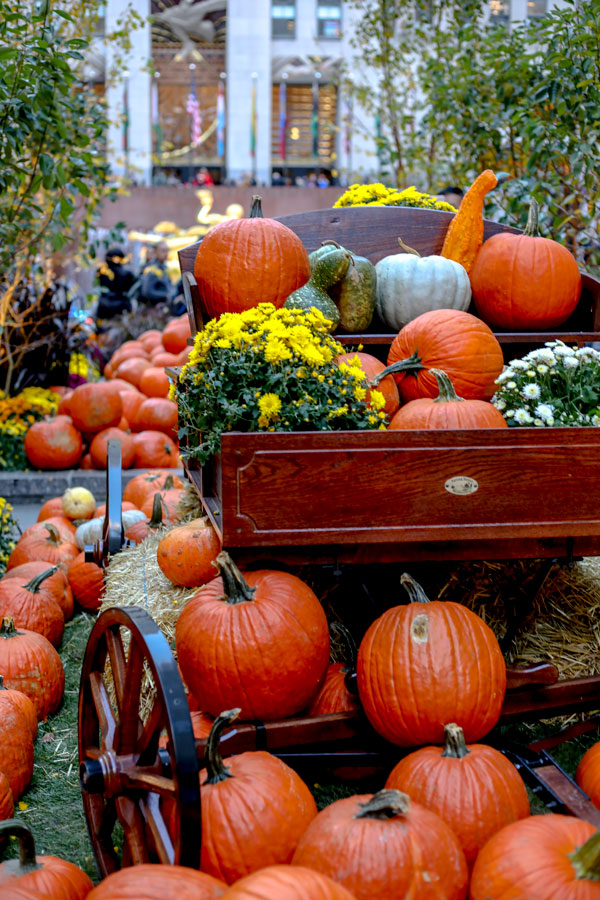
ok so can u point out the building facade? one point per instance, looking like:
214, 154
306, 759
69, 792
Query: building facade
244, 89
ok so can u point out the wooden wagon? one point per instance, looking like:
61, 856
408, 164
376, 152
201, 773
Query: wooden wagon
339, 498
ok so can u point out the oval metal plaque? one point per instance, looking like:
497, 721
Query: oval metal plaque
461, 484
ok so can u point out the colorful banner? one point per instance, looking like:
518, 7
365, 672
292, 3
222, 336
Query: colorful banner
221, 120
253, 120
282, 119
156, 126
315, 118
193, 110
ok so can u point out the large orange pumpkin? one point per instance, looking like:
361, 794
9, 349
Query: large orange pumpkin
151, 881
538, 858
155, 382
21, 705
16, 739
156, 414
258, 640
254, 809
334, 695
53, 444
382, 846
57, 583
175, 335
474, 789
169, 501
186, 554
447, 410
33, 606
423, 664
587, 775
287, 883
244, 262
94, 407
372, 366
131, 370
47, 876
140, 486
153, 449
48, 544
30, 664
99, 448
448, 339
162, 358
525, 282
87, 582
7, 806
50, 508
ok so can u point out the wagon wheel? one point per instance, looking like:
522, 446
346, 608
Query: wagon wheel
113, 535
152, 792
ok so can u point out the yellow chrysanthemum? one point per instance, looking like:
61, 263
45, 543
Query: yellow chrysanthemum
377, 400
269, 405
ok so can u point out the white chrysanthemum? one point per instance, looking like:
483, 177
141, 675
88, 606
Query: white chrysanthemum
538, 422
511, 385
550, 343
550, 422
544, 411
570, 362
546, 355
499, 404
531, 391
562, 350
596, 420
523, 417
509, 414
521, 363
504, 376
542, 369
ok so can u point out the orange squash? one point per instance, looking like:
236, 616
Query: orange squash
465, 232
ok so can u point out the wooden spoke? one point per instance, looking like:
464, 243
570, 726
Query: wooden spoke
118, 661
130, 723
104, 712
147, 745
148, 780
132, 820
102, 816
158, 829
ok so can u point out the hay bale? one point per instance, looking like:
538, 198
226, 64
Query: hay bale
190, 505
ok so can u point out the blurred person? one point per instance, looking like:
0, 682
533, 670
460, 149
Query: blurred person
156, 287
452, 195
323, 180
115, 280
203, 177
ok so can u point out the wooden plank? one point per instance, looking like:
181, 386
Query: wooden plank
574, 695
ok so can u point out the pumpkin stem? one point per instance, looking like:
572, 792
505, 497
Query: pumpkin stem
14, 868
168, 485
7, 628
331, 243
407, 249
532, 229
215, 767
237, 589
586, 859
157, 510
2, 688
256, 208
36, 581
385, 804
455, 746
447, 394
412, 365
415, 592
341, 633
53, 534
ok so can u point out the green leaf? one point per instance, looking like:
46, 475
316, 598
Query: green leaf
46, 163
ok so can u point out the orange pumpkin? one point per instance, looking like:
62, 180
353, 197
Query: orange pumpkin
64, 526
7, 806
169, 501
52, 507
16, 739
157, 414
334, 695
162, 358
447, 410
131, 370
86, 462
100, 510
383, 845
18, 703
140, 486
287, 883
47, 876
268, 632
33, 606
47, 544
372, 366
186, 554
474, 788
30, 664
57, 583
175, 335
87, 582
448, 339
153, 449
537, 858
99, 448
150, 881
131, 403
139, 531
53, 444
155, 382
244, 262
525, 282
425, 663
587, 775
254, 809
123, 387
94, 407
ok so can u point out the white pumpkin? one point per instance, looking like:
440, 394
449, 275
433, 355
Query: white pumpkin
91, 531
409, 285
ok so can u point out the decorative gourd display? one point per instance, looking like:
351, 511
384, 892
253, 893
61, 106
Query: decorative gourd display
152, 881
139, 487
587, 775
16, 740
33, 606
372, 366
456, 342
91, 531
327, 271
254, 809
243, 262
47, 875
524, 281
78, 503
465, 232
288, 883
93, 407
448, 410
29, 663
53, 444
537, 858
409, 284
354, 294
474, 788
87, 582
382, 846
46, 543
258, 638
56, 584
187, 554
334, 695
7, 806
425, 663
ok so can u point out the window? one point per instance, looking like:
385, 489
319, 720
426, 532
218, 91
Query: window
329, 18
283, 18
536, 9
499, 12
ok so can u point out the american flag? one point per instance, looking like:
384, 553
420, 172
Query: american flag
193, 110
